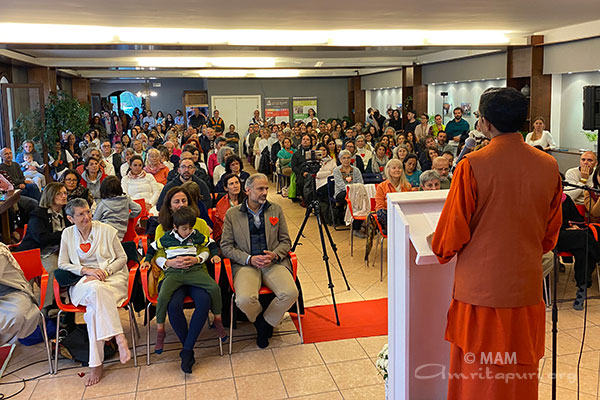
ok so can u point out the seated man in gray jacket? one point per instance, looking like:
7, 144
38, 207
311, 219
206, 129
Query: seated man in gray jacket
256, 239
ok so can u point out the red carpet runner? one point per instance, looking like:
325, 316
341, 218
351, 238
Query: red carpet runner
357, 319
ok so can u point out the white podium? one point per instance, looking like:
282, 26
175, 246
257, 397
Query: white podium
419, 294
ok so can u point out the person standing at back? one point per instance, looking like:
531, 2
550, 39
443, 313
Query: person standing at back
499, 223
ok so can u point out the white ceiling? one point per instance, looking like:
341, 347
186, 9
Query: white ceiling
103, 59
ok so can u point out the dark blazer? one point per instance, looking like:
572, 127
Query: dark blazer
39, 230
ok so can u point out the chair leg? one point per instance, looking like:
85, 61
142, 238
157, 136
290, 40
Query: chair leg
57, 342
545, 291
299, 321
148, 333
231, 317
135, 324
381, 259
132, 329
220, 346
46, 342
351, 238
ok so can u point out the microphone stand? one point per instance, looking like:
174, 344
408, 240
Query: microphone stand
554, 295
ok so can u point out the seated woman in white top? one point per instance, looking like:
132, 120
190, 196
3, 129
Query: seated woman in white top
138, 184
93, 251
219, 171
539, 136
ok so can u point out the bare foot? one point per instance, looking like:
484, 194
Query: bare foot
124, 353
95, 376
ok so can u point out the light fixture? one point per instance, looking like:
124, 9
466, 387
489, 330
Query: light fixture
146, 92
90, 34
206, 62
244, 73
570, 72
433, 84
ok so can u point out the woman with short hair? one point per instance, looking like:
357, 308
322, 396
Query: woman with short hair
344, 175
92, 176
92, 250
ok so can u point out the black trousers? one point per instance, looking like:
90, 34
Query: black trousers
574, 242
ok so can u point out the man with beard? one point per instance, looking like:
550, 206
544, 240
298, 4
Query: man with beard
186, 173
256, 239
442, 167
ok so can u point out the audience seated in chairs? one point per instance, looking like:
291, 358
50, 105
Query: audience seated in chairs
175, 199
442, 166
235, 195
45, 227
185, 173
379, 159
396, 182
581, 176
92, 177
155, 167
75, 189
575, 239
344, 175
138, 184
256, 239
429, 180
115, 207
28, 188
19, 315
93, 251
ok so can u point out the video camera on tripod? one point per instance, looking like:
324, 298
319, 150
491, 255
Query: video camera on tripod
313, 161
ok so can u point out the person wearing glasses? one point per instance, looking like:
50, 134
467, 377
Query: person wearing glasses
44, 230
186, 174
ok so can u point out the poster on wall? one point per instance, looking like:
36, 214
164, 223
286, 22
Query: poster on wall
446, 108
466, 109
301, 105
277, 110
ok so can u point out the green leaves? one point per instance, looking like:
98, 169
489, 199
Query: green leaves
61, 113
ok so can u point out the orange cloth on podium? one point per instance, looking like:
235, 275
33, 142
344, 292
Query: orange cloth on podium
503, 212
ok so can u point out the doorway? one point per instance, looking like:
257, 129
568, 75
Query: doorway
237, 110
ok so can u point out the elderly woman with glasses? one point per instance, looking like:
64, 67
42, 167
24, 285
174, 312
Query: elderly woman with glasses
92, 250
45, 228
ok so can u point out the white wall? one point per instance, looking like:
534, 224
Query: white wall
462, 92
570, 124
331, 93
578, 56
380, 99
483, 67
381, 80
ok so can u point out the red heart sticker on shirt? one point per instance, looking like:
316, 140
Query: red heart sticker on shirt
380, 169
85, 247
352, 161
274, 220
362, 155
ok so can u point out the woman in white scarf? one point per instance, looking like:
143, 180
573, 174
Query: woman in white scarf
138, 184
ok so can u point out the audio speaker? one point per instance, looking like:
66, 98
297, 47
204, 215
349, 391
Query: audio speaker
591, 108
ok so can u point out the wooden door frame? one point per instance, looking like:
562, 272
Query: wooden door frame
5, 137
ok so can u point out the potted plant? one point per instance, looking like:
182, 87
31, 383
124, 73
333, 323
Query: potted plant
61, 113
593, 138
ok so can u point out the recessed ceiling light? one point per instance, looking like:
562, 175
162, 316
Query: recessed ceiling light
498, 78
445, 83
455, 81
570, 72
433, 84
319, 64
470, 80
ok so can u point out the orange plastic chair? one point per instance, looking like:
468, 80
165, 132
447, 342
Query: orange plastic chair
30, 262
352, 219
263, 290
131, 235
382, 237
152, 300
14, 246
62, 307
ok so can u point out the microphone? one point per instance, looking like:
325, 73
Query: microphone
470, 144
575, 186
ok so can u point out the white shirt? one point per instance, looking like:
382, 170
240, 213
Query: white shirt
545, 141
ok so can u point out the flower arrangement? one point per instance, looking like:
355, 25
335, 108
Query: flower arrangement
382, 362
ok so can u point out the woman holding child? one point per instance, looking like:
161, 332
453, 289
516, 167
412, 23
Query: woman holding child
175, 199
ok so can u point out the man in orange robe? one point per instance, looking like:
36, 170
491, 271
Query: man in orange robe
503, 212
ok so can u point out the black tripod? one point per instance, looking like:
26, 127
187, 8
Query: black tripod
314, 207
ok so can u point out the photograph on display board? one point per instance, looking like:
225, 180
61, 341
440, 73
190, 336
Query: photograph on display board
277, 110
447, 107
189, 110
301, 107
466, 109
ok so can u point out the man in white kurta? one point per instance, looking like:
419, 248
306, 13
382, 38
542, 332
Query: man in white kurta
101, 261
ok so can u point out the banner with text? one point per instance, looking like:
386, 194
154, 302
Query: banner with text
277, 110
301, 105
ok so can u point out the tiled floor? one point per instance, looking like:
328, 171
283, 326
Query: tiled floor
341, 369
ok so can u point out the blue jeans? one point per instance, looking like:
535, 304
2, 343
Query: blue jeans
188, 336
